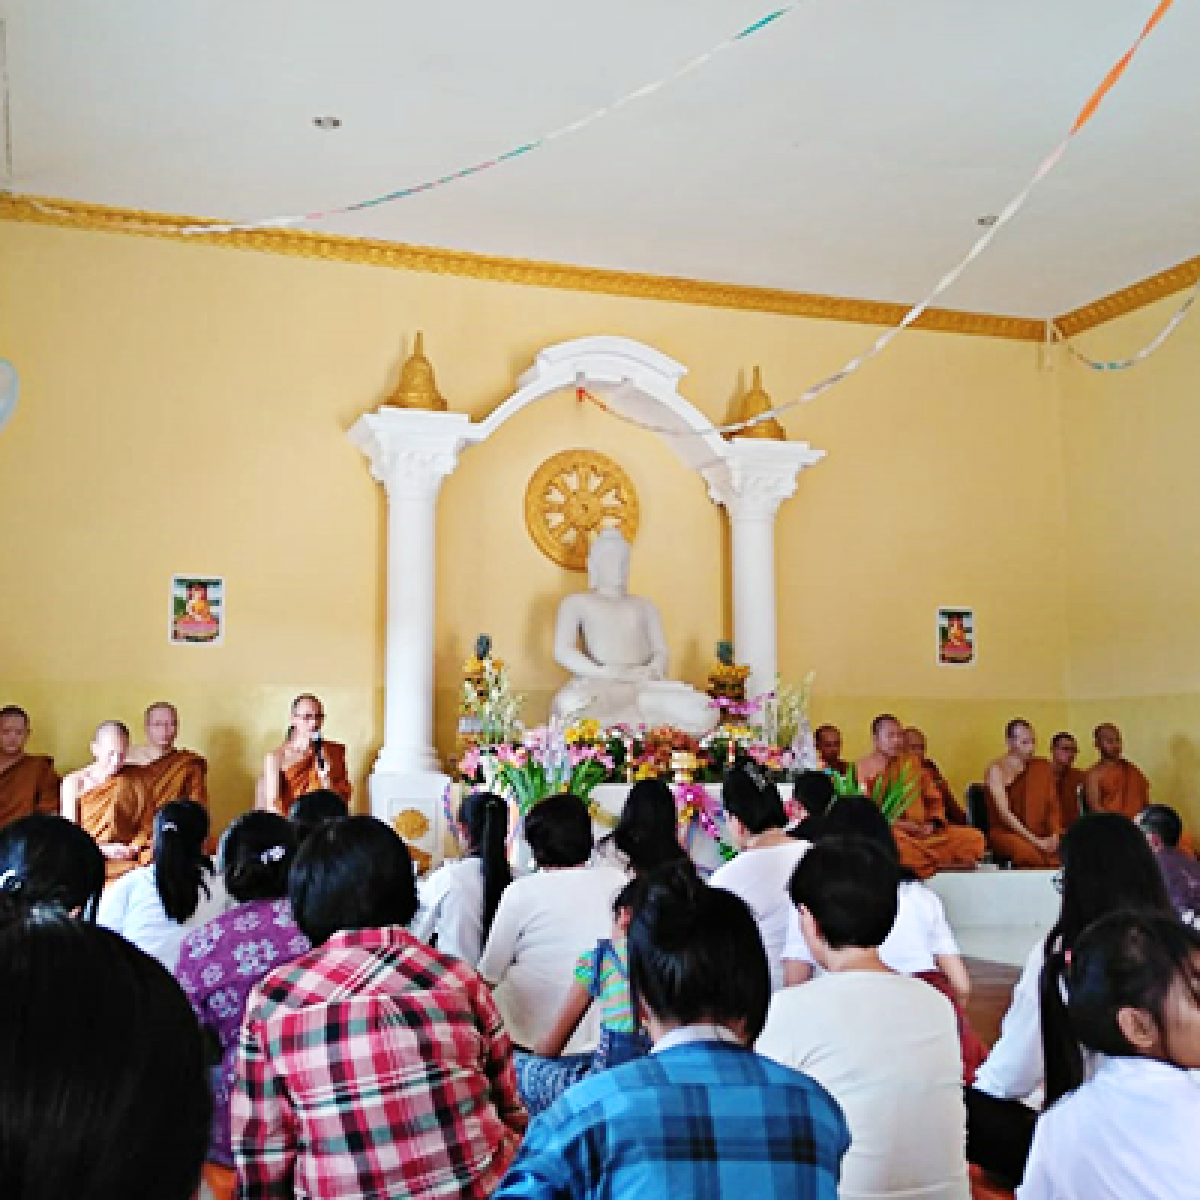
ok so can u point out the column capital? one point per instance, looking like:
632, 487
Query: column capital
756, 476
411, 451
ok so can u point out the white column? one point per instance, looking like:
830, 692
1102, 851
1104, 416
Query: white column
410, 451
754, 478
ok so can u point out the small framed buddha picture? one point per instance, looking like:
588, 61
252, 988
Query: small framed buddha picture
955, 637
197, 610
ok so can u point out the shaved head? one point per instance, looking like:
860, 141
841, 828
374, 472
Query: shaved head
113, 729
162, 705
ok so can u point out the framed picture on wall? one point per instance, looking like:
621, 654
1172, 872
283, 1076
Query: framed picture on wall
955, 637
197, 610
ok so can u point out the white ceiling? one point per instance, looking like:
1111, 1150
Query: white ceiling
847, 149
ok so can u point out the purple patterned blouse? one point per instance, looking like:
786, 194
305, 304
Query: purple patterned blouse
219, 964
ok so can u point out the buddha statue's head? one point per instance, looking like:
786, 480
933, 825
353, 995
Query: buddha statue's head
608, 562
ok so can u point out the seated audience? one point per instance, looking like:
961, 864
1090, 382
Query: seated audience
703, 1115
220, 962
915, 744
814, 791
1024, 820
304, 762
1128, 1130
28, 782
372, 1065
927, 843
1114, 784
168, 772
601, 974
315, 808
828, 741
102, 1089
647, 831
1068, 779
459, 900
1181, 872
759, 874
155, 907
884, 1045
546, 921
1107, 867
110, 801
51, 863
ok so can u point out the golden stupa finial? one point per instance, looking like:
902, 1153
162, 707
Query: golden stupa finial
416, 388
754, 402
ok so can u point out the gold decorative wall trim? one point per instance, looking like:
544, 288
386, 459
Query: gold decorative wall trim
1138, 295
74, 214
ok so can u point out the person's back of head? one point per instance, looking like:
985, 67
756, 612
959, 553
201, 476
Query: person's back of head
814, 789
181, 867
256, 856
355, 873
50, 862
315, 808
103, 1092
847, 885
1133, 978
748, 794
559, 831
856, 816
696, 955
485, 817
647, 831
1163, 822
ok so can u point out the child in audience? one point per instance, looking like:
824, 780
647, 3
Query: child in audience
459, 900
1133, 997
51, 863
155, 907
601, 974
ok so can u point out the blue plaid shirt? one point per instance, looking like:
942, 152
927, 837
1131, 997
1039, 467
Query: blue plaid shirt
694, 1122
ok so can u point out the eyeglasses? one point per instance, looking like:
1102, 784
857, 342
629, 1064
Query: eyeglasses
1057, 880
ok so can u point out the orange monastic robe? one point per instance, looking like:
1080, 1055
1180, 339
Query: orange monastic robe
27, 786
1123, 788
301, 777
1033, 798
119, 811
1067, 786
952, 846
178, 775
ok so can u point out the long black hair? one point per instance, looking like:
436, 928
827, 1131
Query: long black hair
256, 856
647, 832
485, 816
1124, 960
181, 868
1108, 867
50, 862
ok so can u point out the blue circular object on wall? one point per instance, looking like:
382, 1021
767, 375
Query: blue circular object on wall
8, 391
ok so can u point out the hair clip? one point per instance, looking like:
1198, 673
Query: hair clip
10, 881
271, 855
168, 827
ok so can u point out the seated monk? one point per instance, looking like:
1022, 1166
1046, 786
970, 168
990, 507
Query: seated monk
110, 801
828, 740
926, 841
1024, 821
914, 744
305, 762
1068, 779
28, 782
1114, 784
169, 773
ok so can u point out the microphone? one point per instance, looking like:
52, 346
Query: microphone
316, 745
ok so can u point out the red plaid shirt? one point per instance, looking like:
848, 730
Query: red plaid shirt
373, 1066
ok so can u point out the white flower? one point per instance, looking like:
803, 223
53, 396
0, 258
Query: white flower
224, 1003
255, 958
204, 940
246, 922
211, 974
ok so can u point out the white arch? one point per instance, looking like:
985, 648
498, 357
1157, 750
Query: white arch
638, 381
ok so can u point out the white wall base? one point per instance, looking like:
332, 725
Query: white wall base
394, 791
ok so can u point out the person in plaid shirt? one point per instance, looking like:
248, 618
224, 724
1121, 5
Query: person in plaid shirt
371, 1066
703, 1115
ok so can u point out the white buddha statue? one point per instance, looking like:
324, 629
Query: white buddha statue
620, 671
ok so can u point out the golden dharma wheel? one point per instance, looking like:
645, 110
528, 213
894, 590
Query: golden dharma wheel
571, 498
411, 824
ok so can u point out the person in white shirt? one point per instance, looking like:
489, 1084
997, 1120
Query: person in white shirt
157, 906
1107, 867
1133, 997
884, 1045
546, 921
459, 900
760, 873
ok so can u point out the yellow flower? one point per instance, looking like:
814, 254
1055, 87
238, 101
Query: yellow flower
646, 771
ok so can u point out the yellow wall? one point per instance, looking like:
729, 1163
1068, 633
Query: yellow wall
1133, 580
184, 410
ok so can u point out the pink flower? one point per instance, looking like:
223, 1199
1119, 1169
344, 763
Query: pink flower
469, 763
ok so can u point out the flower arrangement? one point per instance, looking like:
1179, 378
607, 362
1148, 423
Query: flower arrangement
893, 797
490, 704
698, 810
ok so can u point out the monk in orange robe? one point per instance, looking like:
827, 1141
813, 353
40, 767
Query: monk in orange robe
28, 782
168, 772
305, 762
110, 801
926, 842
1024, 819
914, 744
1068, 780
1114, 784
